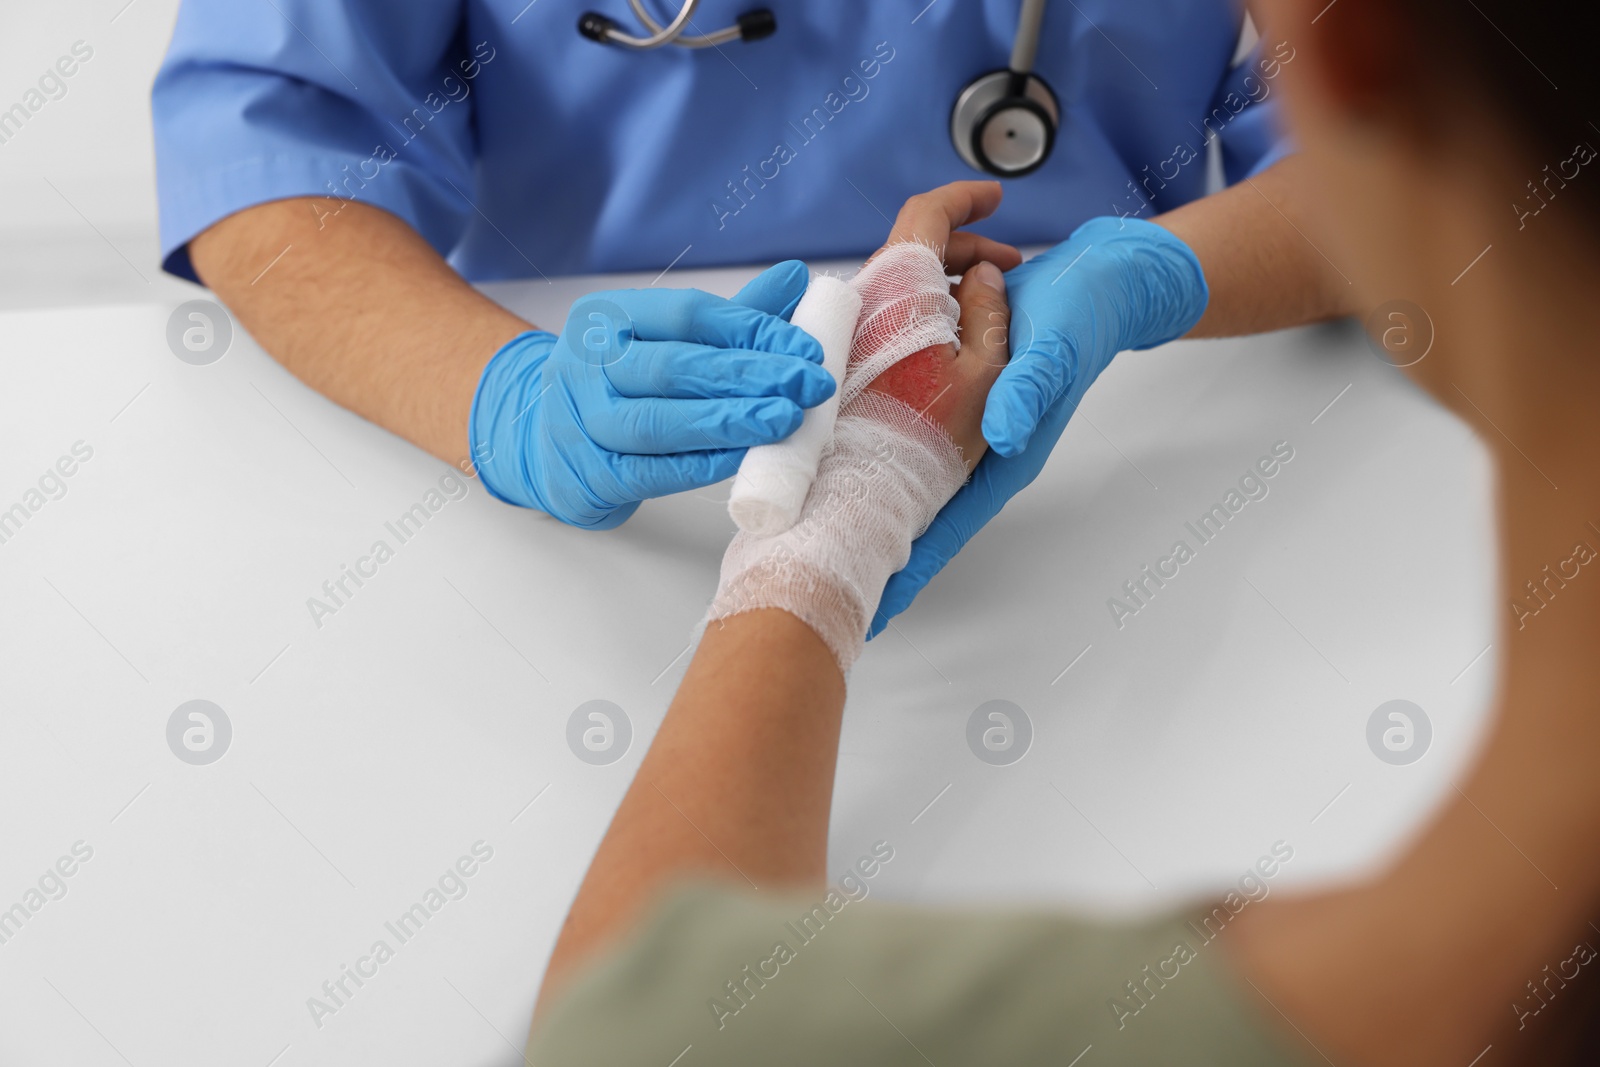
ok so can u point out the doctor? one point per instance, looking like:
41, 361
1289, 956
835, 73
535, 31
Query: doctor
338, 171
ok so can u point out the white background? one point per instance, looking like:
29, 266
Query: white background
93, 145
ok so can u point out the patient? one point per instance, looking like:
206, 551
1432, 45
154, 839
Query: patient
1473, 948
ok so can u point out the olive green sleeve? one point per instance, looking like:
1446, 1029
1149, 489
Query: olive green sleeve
718, 977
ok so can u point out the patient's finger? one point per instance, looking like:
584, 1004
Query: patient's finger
985, 347
985, 326
966, 250
930, 217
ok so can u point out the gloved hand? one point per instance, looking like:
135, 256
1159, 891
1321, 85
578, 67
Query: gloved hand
1114, 284
645, 392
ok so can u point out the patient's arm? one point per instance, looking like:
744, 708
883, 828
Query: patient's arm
739, 779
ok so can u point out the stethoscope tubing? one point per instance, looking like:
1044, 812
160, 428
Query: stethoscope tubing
665, 34
1025, 49
977, 105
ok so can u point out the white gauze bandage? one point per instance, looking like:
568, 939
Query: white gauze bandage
773, 480
882, 478
906, 306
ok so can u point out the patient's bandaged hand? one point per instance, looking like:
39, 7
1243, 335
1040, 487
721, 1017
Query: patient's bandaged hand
882, 477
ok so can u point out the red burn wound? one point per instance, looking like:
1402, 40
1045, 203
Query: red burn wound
916, 380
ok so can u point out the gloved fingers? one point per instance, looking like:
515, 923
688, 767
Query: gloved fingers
966, 250
905, 584
576, 484
930, 217
995, 481
776, 290
946, 536
1055, 268
601, 518
1028, 386
657, 427
685, 371
651, 476
633, 315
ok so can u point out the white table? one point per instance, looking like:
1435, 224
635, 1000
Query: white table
430, 712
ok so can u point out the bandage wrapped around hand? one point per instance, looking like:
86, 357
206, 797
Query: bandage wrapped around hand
882, 478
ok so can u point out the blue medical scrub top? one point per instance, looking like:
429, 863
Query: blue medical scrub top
518, 148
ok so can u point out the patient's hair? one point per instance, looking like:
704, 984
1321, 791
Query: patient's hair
1528, 63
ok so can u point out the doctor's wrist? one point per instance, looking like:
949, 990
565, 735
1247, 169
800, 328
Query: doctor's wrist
1164, 285
500, 418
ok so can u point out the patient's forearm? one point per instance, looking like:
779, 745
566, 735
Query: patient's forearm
738, 781
359, 307
736, 786
1263, 272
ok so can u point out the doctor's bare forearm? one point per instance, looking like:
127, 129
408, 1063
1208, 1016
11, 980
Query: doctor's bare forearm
1263, 272
362, 309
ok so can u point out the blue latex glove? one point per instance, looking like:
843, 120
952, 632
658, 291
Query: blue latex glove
1115, 284
645, 392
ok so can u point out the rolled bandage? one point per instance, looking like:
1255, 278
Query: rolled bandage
773, 480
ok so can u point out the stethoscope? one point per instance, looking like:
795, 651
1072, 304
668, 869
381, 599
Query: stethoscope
1004, 122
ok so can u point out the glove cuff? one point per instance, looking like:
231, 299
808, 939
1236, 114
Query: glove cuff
1167, 275
507, 390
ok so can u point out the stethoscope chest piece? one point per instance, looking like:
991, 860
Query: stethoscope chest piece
1005, 122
